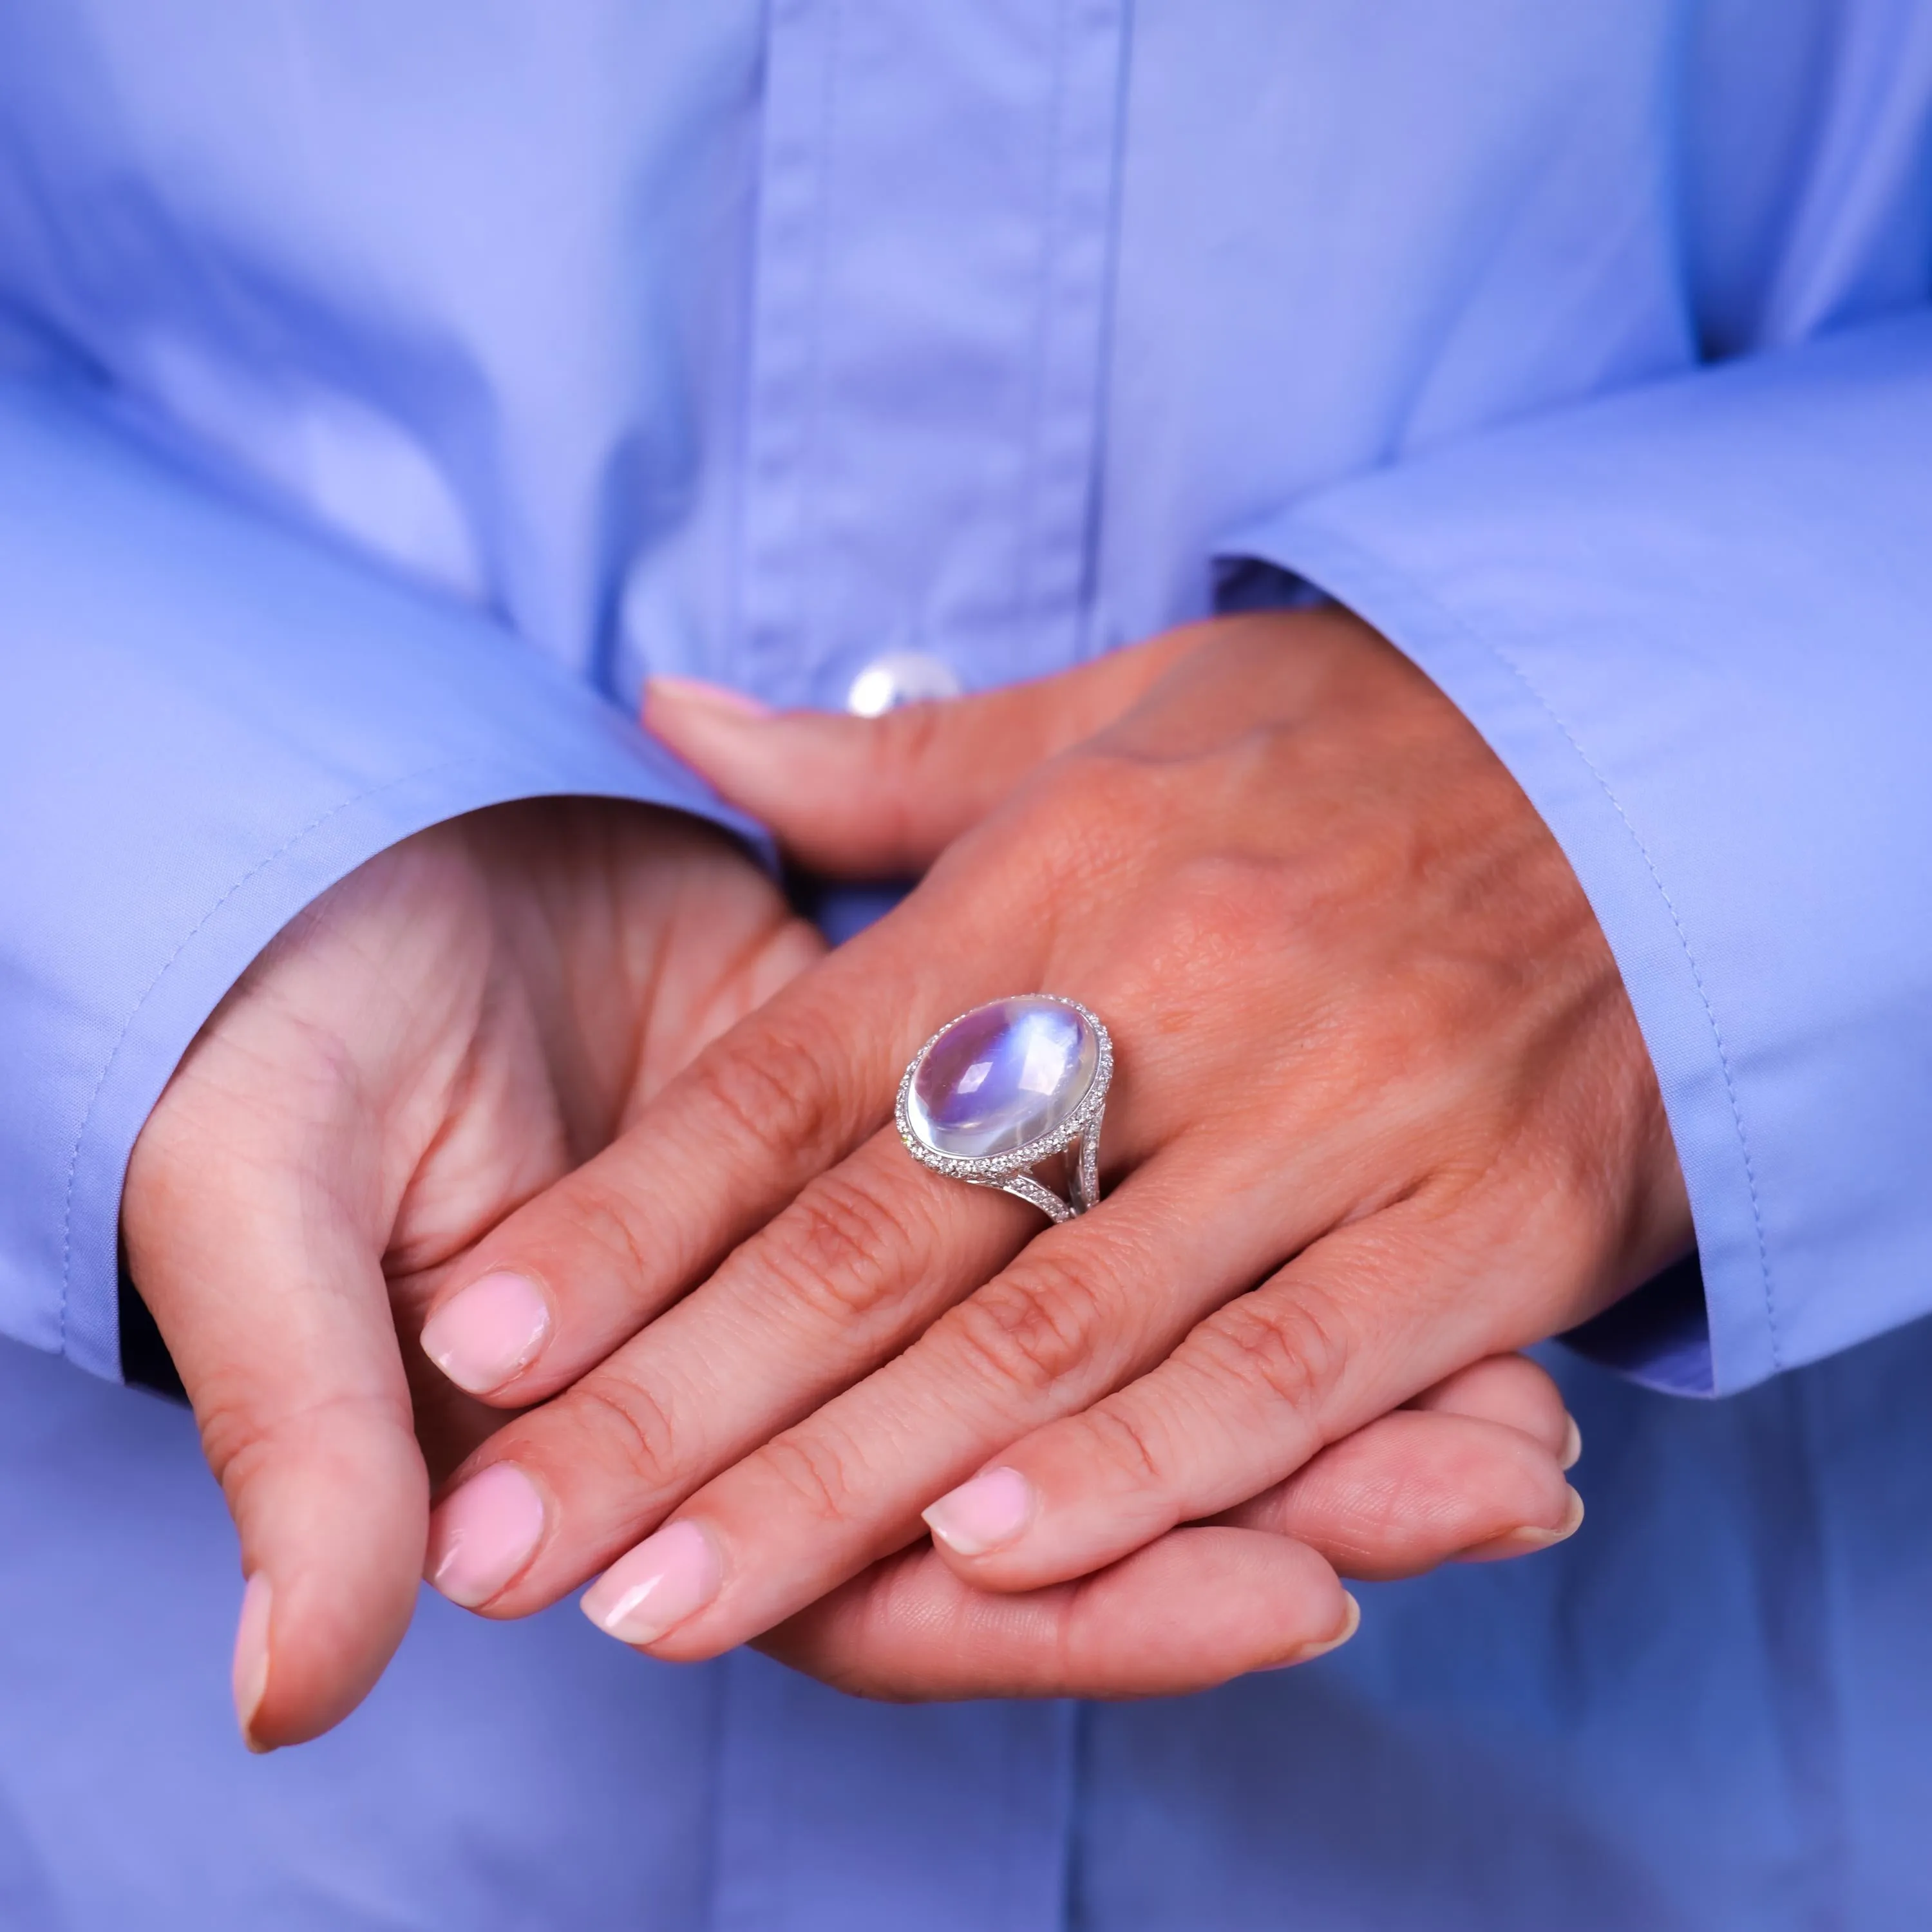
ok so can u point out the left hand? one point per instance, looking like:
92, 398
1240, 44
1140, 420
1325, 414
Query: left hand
1381, 1111
432, 1042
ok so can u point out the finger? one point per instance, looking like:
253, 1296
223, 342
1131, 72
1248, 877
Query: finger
1083, 1308
785, 1095
863, 1261
1418, 1489
1191, 1611
270, 1297
1340, 1335
882, 797
576, 1271
1400, 1496
1510, 1389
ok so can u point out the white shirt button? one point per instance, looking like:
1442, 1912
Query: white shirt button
900, 677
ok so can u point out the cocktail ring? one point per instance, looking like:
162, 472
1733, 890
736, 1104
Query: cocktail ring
997, 1091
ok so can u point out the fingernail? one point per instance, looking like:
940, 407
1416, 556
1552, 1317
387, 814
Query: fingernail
984, 1514
1350, 1623
1531, 1536
668, 1577
250, 1676
483, 1534
705, 696
481, 1337
1573, 1445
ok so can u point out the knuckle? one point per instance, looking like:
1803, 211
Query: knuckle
1033, 1329
1127, 1442
769, 1090
624, 1430
605, 1218
843, 1247
232, 1440
238, 1439
815, 1473
1291, 1348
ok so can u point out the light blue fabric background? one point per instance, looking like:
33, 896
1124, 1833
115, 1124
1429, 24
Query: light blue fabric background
387, 387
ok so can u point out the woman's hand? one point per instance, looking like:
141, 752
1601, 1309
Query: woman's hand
1471, 1471
437, 1040
1381, 1111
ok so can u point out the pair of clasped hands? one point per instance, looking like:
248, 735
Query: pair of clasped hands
531, 1213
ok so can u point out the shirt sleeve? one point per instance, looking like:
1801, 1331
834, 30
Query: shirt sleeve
1695, 621
205, 720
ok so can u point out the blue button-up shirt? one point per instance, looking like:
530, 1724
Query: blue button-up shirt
387, 388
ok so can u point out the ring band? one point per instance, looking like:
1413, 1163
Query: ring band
1007, 1086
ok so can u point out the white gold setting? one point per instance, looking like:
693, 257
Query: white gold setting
1076, 1136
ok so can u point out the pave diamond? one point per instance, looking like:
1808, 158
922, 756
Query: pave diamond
1004, 1074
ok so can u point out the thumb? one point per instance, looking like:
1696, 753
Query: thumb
271, 1299
879, 798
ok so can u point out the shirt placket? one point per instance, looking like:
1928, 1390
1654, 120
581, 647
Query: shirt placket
933, 268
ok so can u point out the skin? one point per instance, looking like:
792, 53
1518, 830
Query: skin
454, 1029
438, 1038
1382, 1112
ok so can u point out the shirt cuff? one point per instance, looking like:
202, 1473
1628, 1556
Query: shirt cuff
1690, 620
206, 720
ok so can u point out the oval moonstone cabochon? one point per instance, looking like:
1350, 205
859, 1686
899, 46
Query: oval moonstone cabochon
1003, 1075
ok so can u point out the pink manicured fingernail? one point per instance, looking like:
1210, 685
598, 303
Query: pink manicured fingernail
668, 1577
984, 1514
483, 1534
250, 1677
481, 1337
708, 696
1573, 1445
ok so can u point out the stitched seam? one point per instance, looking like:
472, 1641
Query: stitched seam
1509, 664
147, 992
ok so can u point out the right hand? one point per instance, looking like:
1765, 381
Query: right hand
463, 1020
